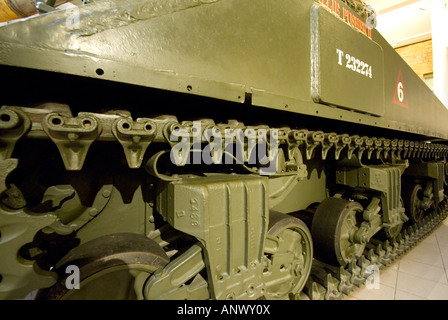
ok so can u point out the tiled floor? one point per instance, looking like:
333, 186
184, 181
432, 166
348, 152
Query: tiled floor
421, 274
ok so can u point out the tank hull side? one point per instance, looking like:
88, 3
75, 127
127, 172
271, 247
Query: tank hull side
230, 50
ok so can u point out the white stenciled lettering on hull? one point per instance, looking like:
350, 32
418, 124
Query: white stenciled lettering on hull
354, 64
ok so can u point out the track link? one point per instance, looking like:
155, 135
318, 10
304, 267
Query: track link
73, 135
328, 282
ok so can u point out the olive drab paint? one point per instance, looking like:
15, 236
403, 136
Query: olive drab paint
211, 149
311, 32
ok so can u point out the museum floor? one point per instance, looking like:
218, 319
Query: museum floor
421, 274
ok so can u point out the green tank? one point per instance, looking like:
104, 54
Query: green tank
211, 149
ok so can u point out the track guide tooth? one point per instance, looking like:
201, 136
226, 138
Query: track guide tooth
407, 240
390, 254
373, 257
398, 248
356, 274
314, 290
364, 263
344, 277
384, 256
322, 275
332, 285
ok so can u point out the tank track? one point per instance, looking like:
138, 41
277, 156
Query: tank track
56, 122
326, 282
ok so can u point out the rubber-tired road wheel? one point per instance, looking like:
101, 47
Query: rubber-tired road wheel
414, 202
334, 228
